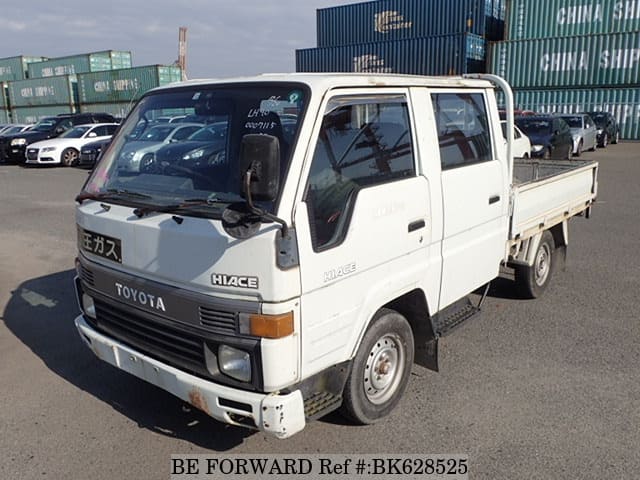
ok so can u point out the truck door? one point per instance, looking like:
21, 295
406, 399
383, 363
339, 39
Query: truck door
474, 192
362, 223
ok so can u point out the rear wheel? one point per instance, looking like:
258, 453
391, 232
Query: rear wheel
532, 281
69, 157
616, 139
380, 370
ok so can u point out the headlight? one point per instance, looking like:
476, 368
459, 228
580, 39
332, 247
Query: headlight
88, 306
48, 149
194, 155
18, 141
537, 148
599, 131
235, 363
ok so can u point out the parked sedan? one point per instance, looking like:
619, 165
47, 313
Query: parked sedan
550, 136
90, 153
65, 149
521, 143
607, 128
151, 140
583, 132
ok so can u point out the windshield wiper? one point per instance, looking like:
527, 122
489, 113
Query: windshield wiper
173, 208
109, 194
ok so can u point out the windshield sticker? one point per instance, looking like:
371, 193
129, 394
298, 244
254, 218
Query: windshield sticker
295, 96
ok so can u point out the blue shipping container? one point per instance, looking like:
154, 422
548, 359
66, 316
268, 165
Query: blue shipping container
443, 55
386, 20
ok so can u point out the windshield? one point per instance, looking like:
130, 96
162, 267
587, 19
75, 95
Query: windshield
599, 118
45, 125
534, 126
574, 122
10, 130
75, 132
156, 134
205, 165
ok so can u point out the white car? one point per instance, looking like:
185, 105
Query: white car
65, 149
521, 143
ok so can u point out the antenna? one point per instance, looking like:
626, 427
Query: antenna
182, 51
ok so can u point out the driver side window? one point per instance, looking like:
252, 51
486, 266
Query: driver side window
363, 142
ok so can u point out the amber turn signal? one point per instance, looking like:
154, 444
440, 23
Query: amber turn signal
270, 326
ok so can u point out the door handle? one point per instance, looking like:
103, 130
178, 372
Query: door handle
494, 199
417, 225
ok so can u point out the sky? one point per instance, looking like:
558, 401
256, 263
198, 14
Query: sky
225, 38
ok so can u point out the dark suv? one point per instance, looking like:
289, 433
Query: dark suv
12, 147
607, 126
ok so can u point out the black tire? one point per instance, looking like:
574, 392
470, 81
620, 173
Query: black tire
69, 157
605, 140
579, 149
616, 139
531, 282
380, 370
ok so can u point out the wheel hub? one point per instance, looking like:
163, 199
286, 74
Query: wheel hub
382, 370
542, 265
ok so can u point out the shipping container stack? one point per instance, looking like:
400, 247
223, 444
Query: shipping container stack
423, 37
116, 91
574, 57
12, 69
35, 87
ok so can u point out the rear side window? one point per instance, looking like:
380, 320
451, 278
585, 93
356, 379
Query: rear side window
463, 131
364, 141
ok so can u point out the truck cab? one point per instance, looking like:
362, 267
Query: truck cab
303, 257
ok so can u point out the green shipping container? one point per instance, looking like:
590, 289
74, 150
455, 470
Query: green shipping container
125, 85
16, 68
4, 86
597, 60
116, 109
4, 115
561, 18
623, 103
61, 90
87, 62
33, 114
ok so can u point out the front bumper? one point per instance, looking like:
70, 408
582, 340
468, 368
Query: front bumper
280, 415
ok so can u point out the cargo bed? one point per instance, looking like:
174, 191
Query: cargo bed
546, 193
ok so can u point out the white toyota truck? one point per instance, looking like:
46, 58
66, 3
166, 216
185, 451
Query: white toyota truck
302, 256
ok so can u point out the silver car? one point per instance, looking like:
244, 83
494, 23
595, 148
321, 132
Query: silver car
583, 132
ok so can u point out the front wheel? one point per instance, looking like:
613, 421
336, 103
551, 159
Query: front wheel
579, 149
532, 281
69, 157
605, 140
380, 370
616, 139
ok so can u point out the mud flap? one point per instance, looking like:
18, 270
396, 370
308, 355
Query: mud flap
426, 346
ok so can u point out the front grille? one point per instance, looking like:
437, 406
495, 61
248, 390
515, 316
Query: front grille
32, 154
88, 155
154, 338
86, 275
218, 321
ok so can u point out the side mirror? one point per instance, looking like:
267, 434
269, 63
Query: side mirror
260, 154
59, 131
